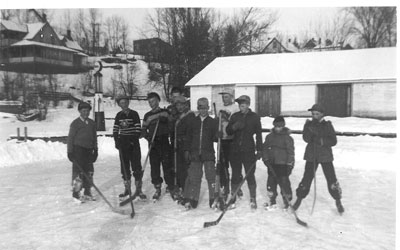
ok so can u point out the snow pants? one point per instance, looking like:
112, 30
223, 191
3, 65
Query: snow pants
160, 154
330, 176
247, 159
181, 166
130, 159
193, 180
83, 157
281, 179
224, 158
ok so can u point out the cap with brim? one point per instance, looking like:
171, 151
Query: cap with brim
317, 107
227, 91
243, 98
179, 99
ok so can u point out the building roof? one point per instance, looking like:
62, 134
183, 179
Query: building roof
300, 68
10, 25
27, 42
33, 29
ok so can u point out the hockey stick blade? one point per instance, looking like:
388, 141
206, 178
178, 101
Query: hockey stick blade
301, 223
214, 223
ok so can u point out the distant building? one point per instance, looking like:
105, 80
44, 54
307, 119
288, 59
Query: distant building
36, 48
359, 83
153, 49
275, 46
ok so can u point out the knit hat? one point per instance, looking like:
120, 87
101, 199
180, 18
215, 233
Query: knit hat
179, 99
84, 105
152, 95
317, 107
279, 121
202, 102
243, 99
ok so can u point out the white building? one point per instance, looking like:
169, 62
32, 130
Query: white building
358, 83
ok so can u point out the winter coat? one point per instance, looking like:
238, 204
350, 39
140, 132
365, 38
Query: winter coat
200, 138
320, 137
243, 140
182, 124
278, 147
150, 121
127, 125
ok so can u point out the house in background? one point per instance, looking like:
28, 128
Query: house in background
275, 46
359, 83
153, 49
36, 48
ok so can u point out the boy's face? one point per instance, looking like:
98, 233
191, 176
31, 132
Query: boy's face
180, 107
316, 115
226, 99
154, 102
244, 107
175, 94
203, 110
124, 104
84, 113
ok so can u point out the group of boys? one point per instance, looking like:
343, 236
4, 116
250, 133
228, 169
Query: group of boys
183, 143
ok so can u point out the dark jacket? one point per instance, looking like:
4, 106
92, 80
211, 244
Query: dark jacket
278, 147
200, 138
150, 121
243, 138
320, 138
182, 124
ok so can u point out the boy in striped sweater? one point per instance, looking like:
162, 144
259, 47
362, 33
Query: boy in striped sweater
126, 134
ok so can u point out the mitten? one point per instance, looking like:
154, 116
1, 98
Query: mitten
238, 125
71, 157
95, 155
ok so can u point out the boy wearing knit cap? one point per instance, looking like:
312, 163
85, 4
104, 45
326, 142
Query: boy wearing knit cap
199, 151
278, 156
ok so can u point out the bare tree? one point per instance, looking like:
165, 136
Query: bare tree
375, 26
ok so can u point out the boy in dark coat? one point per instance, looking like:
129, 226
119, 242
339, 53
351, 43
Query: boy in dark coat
82, 151
199, 152
320, 137
160, 151
126, 132
278, 155
243, 125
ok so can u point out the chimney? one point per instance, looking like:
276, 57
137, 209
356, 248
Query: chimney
69, 34
44, 18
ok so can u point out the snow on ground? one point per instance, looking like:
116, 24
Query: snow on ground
37, 211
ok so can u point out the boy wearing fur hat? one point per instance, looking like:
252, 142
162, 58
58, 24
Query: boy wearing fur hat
82, 151
126, 133
278, 156
320, 137
199, 152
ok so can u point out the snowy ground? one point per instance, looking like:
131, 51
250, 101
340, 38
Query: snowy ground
37, 212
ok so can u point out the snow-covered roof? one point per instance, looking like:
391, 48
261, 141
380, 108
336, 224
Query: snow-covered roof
10, 25
328, 66
27, 42
33, 29
72, 44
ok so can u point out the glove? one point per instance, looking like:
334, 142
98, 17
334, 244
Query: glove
259, 155
268, 163
71, 157
117, 144
187, 157
238, 125
289, 169
95, 155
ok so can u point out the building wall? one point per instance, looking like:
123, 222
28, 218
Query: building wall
296, 100
375, 100
197, 92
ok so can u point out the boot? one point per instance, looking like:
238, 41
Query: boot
127, 190
271, 205
157, 194
253, 203
285, 204
138, 192
339, 206
240, 193
296, 205
88, 185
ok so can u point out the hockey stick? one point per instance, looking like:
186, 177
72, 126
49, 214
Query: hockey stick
230, 201
285, 196
98, 190
315, 178
217, 188
124, 202
126, 176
